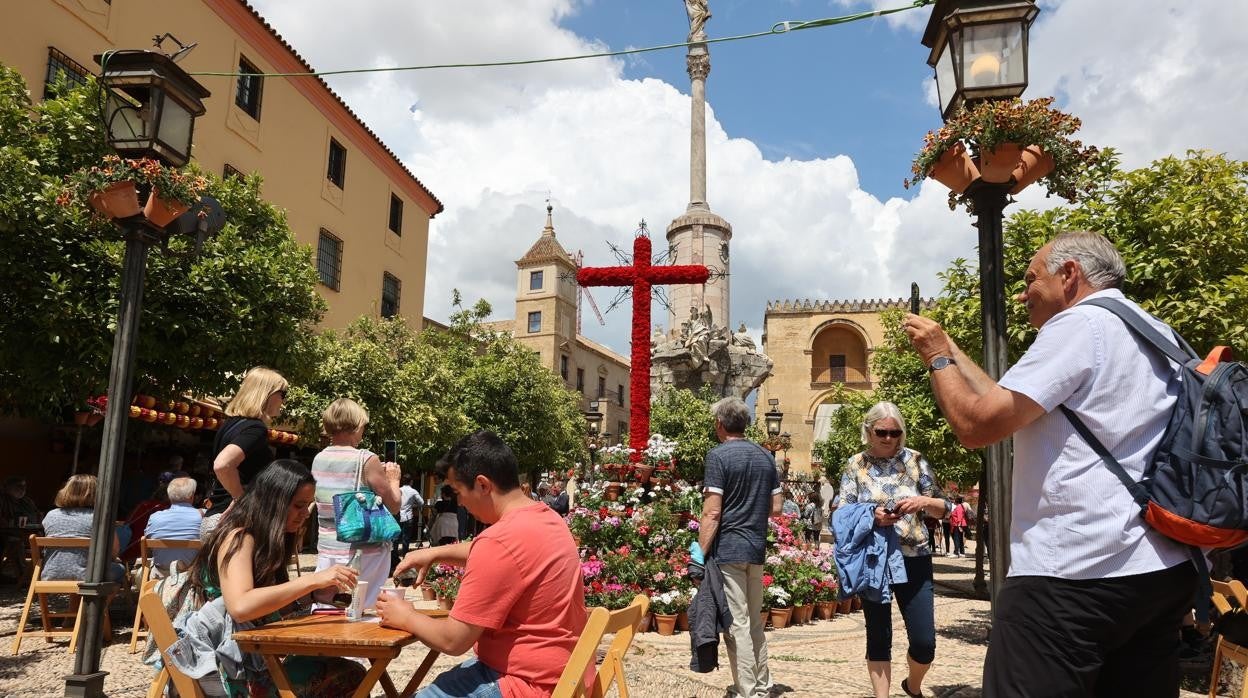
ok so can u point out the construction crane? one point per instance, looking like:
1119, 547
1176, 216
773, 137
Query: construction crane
580, 257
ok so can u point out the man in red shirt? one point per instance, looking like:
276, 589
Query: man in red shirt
521, 605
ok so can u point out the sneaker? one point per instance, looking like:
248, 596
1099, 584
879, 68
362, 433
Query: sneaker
951, 554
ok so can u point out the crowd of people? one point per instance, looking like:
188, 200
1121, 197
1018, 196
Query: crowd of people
1090, 606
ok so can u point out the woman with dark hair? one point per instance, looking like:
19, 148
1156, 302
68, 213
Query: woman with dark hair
243, 562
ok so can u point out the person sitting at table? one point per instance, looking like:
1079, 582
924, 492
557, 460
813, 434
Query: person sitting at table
136, 522
75, 507
445, 528
336, 470
243, 562
20, 516
179, 522
521, 604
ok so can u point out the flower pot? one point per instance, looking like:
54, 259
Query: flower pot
856, 603
780, 617
844, 606
117, 200
665, 623
682, 621
1034, 164
825, 610
94, 418
613, 491
446, 603
955, 169
806, 611
161, 212
647, 622
428, 594
997, 165
80, 418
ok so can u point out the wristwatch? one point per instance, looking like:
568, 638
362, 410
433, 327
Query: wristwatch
941, 362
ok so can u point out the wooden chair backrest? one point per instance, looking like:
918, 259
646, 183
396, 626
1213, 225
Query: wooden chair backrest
146, 544
623, 623
1227, 596
161, 628
40, 543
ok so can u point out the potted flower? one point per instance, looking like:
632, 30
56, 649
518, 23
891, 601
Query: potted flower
825, 597
665, 606
173, 191
110, 189
444, 580
778, 599
1006, 141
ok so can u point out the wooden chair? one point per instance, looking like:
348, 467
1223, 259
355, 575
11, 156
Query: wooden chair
146, 545
623, 623
1227, 597
163, 634
43, 589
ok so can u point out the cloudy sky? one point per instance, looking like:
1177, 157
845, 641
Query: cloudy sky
809, 134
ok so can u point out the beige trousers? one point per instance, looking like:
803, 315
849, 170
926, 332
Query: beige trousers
745, 641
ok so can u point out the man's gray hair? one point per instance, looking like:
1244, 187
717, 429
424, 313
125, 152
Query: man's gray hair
1100, 261
181, 489
733, 414
883, 410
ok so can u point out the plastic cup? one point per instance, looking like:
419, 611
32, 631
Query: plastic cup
394, 593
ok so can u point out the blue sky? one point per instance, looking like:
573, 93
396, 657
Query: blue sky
809, 135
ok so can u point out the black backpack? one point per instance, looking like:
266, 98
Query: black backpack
1195, 486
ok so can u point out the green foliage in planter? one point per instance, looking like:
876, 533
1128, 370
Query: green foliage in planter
988, 124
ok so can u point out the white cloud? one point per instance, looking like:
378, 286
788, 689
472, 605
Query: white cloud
1149, 76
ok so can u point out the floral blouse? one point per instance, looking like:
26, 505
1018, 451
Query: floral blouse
868, 479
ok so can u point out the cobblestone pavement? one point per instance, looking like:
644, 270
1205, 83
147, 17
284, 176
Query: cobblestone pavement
820, 659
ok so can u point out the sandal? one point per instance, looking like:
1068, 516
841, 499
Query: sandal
906, 689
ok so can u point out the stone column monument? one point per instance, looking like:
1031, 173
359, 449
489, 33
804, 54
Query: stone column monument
699, 236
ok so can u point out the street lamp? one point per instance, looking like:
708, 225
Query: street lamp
593, 420
150, 110
773, 417
979, 52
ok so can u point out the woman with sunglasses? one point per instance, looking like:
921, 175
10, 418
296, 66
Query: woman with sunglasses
899, 481
242, 448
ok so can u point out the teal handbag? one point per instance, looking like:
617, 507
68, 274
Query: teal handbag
361, 517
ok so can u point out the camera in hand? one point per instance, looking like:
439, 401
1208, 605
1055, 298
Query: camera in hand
391, 451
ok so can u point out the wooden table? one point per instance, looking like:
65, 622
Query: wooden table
335, 636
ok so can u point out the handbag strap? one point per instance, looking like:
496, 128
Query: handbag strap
359, 467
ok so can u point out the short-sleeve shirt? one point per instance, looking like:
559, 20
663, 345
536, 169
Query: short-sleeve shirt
745, 476
179, 522
523, 585
869, 479
252, 436
409, 499
67, 523
1071, 517
334, 469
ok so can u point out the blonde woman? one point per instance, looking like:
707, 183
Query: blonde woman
335, 469
242, 444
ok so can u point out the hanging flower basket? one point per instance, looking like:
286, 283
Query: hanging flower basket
162, 212
955, 169
117, 200
1033, 164
996, 164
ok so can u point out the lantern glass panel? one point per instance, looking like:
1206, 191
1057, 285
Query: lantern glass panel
773, 423
992, 55
175, 127
128, 122
946, 80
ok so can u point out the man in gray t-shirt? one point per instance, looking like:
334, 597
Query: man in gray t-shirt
740, 492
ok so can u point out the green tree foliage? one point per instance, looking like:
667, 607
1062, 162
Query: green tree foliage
685, 416
429, 389
248, 299
1182, 226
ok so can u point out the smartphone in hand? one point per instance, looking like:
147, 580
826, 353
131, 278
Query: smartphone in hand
390, 451
914, 298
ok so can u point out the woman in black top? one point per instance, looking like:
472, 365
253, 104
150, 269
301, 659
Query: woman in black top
242, 445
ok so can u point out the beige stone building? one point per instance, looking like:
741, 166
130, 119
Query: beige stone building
818, 346
345, 193
545, 321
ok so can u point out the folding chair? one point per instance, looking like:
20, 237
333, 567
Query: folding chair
43, 588
146, 545
1227, 597
623, 623
164, 635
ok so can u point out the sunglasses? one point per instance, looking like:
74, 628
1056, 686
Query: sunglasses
888, 433
281, 392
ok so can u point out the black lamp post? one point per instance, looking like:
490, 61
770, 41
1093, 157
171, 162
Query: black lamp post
593, 420
150, 110
979, 52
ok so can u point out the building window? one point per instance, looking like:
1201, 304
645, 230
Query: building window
230, 172
390, 289
621, 428
580, 379
337, 170
619, 395
396, 215
64, 71
248, 89
329, 259
602, 387
535, 280
563, 367
535, 321
836, 368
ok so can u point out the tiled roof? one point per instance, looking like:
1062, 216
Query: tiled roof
547, 248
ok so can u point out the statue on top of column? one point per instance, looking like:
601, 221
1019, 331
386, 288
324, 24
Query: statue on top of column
698, 14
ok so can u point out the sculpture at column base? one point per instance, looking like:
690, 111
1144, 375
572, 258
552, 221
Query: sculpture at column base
703, 354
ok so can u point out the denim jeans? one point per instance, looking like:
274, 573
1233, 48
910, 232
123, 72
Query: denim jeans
472, 679
915, 599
